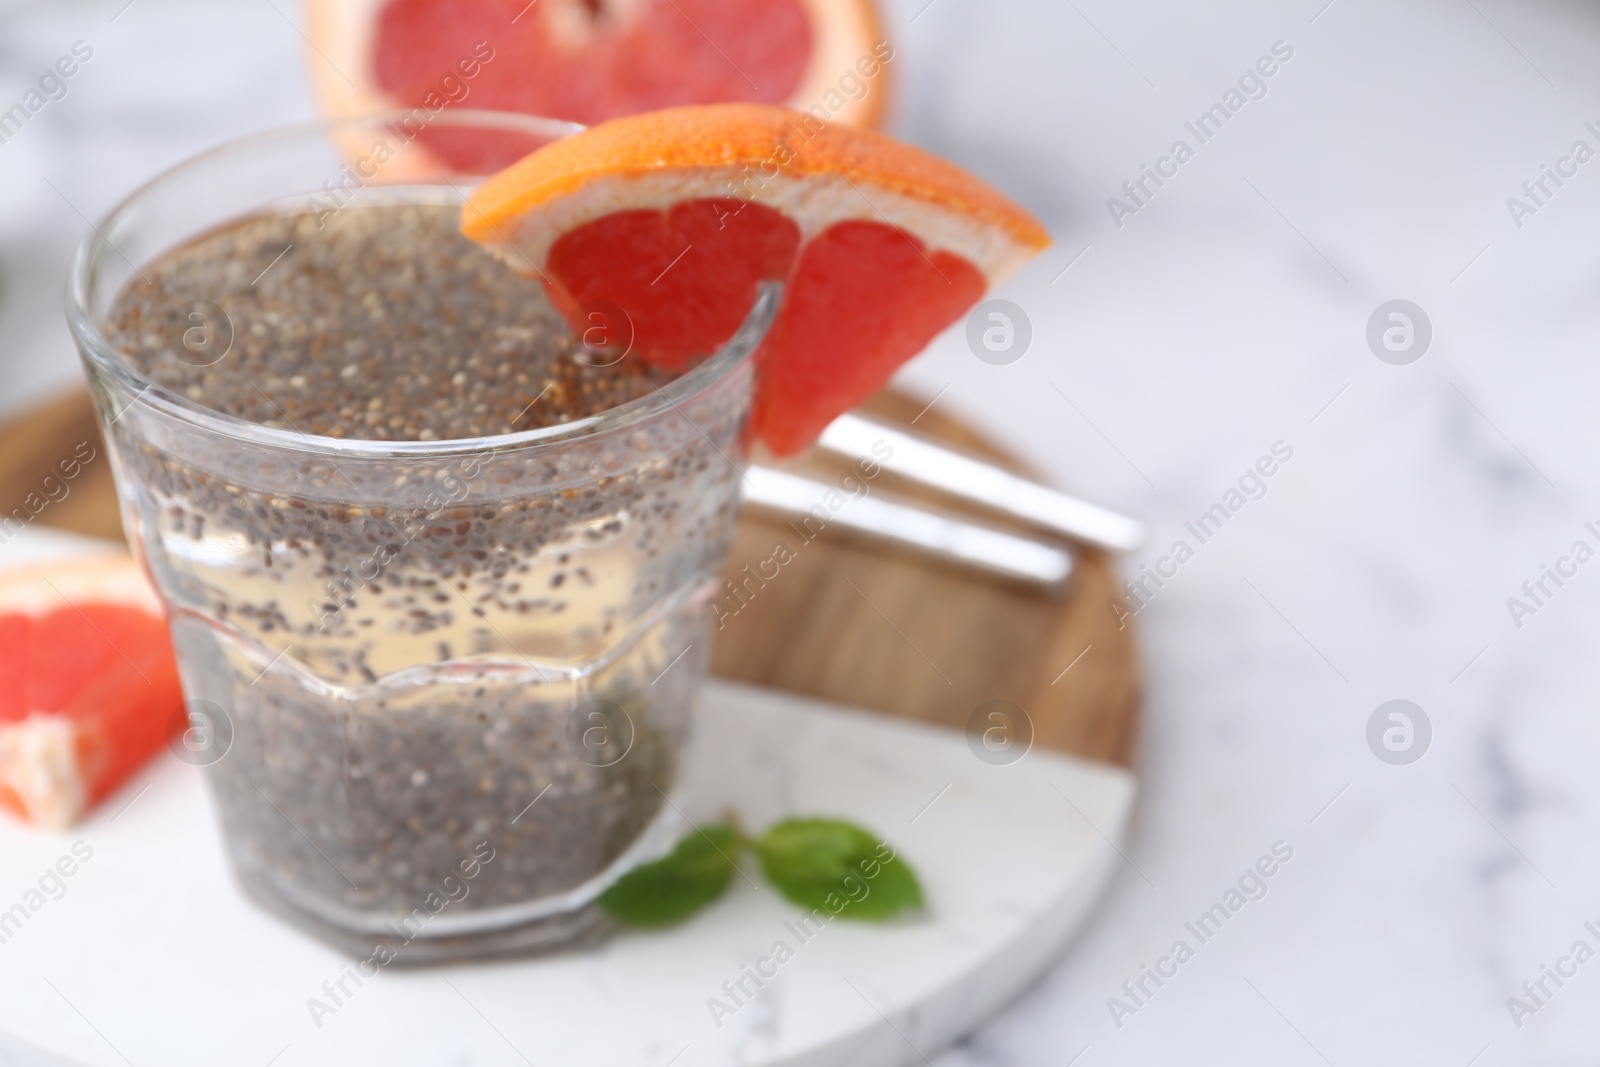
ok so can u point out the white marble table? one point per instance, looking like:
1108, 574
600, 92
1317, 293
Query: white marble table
1226, 314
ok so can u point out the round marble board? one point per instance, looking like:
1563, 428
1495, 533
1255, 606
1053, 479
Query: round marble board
150, 954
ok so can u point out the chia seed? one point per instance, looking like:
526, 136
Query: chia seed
380, 322
401, 642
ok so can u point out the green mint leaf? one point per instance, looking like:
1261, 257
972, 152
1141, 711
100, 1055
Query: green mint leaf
671, 889
838, 867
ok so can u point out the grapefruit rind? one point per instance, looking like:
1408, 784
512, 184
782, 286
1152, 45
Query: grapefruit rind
819, 175
845, 33
40, 774
43, 588
338, 35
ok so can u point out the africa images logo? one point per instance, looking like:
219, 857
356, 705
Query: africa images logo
1137, 192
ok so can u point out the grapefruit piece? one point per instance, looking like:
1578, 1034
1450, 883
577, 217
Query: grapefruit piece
87, 684
678, 216
588, 61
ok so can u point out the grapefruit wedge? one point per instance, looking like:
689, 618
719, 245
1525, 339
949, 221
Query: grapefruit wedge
588, 61
88, 684
678, 216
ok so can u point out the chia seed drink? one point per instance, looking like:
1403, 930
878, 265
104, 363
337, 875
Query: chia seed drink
438, 572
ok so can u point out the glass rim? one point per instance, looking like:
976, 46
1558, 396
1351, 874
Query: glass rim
105, 358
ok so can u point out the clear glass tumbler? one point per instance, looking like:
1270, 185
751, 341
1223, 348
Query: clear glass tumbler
443, 685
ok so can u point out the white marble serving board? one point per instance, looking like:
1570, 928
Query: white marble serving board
151, 956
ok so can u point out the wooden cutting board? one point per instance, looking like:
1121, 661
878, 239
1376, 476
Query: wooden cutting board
844, 620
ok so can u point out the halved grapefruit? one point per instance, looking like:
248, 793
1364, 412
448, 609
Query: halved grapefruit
88, 684
588, 61
677, 216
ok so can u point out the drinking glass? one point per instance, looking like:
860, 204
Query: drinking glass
440, 688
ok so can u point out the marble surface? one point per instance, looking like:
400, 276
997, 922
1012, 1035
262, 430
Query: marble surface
1226, 314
